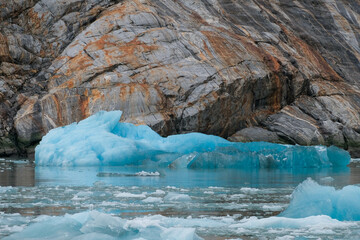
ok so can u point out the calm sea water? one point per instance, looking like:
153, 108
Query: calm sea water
214, 204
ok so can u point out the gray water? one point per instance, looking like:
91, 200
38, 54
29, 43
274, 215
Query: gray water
216, 204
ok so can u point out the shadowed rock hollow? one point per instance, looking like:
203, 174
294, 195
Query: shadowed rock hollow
281, 71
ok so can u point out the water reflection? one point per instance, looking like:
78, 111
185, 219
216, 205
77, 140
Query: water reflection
259, 178
354, 175
24, 173
17, 173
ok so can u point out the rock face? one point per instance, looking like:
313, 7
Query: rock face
285, 70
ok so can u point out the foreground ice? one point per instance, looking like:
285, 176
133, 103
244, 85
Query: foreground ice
310, 199
102, 140
169, 212
96, 225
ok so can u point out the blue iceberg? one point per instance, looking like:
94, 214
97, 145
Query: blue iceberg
102, 140
311, 199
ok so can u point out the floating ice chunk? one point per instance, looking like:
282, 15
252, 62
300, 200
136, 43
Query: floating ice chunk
272, 207
249, 190
10, 223
177, 197
326, 179
5, 189
310, 198
102, 140
130, 195
158, 192
147, 174
138, 174
153, 200
236, 196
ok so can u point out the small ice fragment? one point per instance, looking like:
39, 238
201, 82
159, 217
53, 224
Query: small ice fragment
272, 208
177, 197
249, 190
209, 192
158, 192
326, 179
153, 200
130, 195
147, 174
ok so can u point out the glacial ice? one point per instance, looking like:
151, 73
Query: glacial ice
102, 140
311, 199
96, 225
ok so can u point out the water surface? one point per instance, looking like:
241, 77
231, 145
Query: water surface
218, 203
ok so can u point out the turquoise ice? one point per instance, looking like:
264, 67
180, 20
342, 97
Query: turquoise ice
101, 140
310, 199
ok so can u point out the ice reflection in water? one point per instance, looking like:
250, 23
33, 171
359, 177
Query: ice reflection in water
220, 203
17, 173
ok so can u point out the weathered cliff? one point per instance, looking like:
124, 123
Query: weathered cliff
276, 70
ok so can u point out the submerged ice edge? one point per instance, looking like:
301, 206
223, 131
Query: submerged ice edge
102, 140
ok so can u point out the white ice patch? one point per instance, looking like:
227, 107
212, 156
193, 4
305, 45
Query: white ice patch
158, 192
147, 174
177, 197
327, 180
272, 207
209, 192
153, 200
236, 196
5, 189
247, 190
130, 195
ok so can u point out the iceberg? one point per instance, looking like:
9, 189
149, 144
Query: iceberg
312, 199
102, 140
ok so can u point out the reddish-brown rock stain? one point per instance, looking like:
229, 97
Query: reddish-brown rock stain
223, 48
229, 53
58, 109
96, 95
36, 20
84, 106
312, 56
4, 48
127, 90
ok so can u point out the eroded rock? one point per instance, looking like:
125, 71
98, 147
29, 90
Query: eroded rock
210, 66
